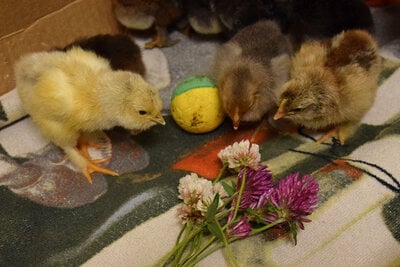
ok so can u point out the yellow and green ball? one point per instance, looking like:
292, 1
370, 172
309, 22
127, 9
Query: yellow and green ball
195, 105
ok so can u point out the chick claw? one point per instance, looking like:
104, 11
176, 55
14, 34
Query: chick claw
161, 39
91, 167
333, 133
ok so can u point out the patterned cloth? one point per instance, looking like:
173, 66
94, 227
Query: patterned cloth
51, 216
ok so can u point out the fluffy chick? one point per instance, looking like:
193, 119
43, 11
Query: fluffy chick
302, 19
315, 19
237, 14
333, 84
249, 69
120, 50
202, 17
71, 94
143, 14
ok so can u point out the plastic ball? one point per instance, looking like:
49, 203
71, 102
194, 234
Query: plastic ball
195, 105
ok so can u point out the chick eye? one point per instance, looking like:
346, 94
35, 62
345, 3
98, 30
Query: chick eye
142, 112
297, 110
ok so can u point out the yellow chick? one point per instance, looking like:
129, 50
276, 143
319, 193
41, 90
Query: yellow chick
333, 84
71, 93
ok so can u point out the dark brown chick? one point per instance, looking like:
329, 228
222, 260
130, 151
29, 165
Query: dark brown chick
202, 16
249, 69
120, 50
302, 19
333, 84
237, 14
144, 14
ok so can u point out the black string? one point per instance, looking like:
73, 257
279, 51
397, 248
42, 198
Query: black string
380, 180
300, 132
377, 167
324, 157
384, 183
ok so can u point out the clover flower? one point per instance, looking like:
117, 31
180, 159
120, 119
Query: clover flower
187, 213
213, 218
241, 229
258, 182
293, 199
240, 155
197, 194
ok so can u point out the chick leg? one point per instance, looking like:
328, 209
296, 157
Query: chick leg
85, 165
346, 130
66, 138
161, 39
186, 30
333, 133
84, 142
340, 132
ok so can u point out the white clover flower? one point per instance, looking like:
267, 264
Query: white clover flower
205, 201
218, 188
240, 155
192, 187
185, 213
197, 194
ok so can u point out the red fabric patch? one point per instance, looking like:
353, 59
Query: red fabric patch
350, 171
205, 162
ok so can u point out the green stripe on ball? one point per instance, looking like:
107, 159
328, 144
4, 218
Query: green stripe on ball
191, 83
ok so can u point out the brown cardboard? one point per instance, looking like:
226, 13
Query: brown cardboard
42, 25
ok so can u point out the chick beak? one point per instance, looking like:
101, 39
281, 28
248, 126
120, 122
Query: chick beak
236, 125
280, 113
159, 120
236, 120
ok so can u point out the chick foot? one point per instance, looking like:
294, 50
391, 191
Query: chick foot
91, 165
161, 39
186, 30
333, 133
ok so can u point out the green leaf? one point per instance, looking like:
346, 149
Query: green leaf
234, 185
212, 223
212, 209
293, 231
215, 230
229, 189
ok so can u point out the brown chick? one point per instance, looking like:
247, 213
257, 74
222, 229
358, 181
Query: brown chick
143, 14
333, 84
249, 69
120, 50
72, 94
201, 16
